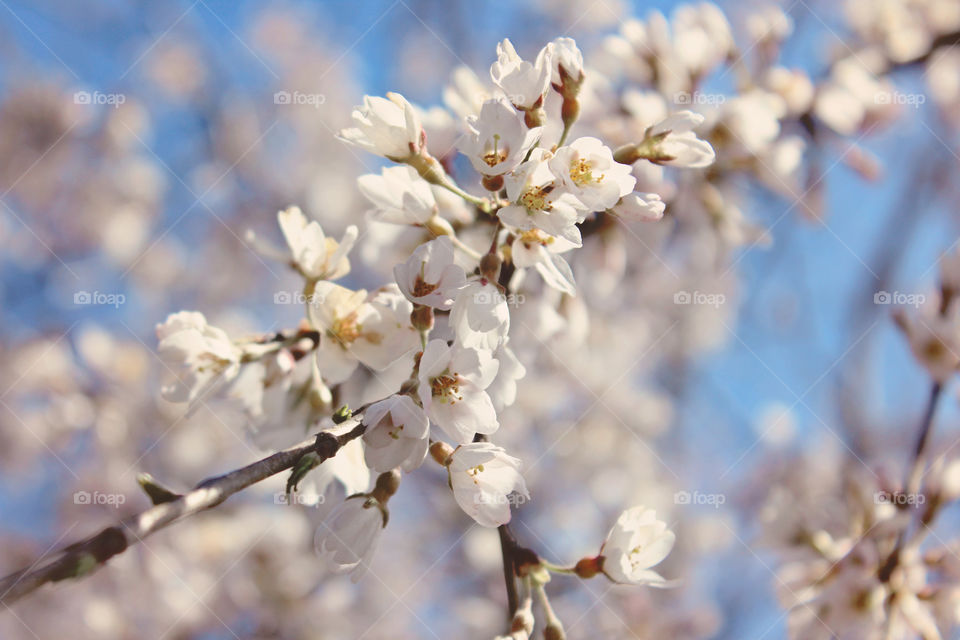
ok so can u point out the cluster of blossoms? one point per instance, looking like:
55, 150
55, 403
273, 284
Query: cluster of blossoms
444, 323
550, 154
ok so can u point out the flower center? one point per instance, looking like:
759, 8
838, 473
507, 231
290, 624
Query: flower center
535, 236
536, 198
446, 387
581, 172
347, 330
474, 473
497, 155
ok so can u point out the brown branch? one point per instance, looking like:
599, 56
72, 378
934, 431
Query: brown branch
81, 558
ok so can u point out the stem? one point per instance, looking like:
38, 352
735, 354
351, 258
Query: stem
483, 203
81, 558
507, 544
458, 243
915, 477
916, 474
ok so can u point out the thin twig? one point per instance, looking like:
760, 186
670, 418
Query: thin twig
81, 558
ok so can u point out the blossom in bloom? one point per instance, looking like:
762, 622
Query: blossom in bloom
201, 356
396, 435
587, 170
497, 140
522, 81
348, 537
400, 196
452, 389
539, 202
430, 277
503, 389
313, 254
387, 126
483, 477
676, 144
480, 317
536, 249
636, 542
355, 328
639, 207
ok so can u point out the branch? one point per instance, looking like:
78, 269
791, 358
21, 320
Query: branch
81, 558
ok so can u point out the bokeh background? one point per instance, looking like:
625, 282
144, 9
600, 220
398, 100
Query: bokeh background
143, 202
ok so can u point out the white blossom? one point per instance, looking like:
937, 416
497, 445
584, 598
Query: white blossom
480, 317
313, 254
522, 81
567, 61
400, 196
637, 542
386, 126
348, 537
355, 328
483, 477
645, 207
539, 201
202, 357
497, 140
396, 434
534, 248
452, 389
587, 170
430, 276
680, 146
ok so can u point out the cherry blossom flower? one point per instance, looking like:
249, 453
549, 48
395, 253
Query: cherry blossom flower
676, 144
386, 126
480, 317
348, 537
637, 207
452, 389
483, 477
400, 196
201, 356
539, 202
396, 435
536, 249
522, 81
587, 170
313, 254
636, 542
430, 277
374, 330
497, 140
567, 64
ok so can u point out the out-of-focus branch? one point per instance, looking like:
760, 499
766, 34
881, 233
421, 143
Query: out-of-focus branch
81, 558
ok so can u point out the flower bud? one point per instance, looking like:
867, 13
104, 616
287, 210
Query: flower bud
387, 485
421, 317
441, 452
589, 567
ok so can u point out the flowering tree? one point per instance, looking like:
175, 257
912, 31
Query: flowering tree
556, 229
